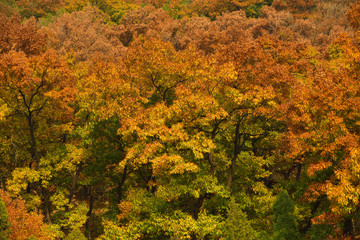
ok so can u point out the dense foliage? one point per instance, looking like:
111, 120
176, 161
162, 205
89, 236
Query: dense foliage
180, 119
284, 220
4, 222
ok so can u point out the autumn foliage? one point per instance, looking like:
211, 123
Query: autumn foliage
24, 224
142, 119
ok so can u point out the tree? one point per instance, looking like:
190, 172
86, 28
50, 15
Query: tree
141, 122
147, 21
43, 81
85, 35
17, 36
237, 226
323, 136
24, 224
193, 125
284, 220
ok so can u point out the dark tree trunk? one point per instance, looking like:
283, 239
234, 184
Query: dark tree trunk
298, 174
89, 213
212, 163
348, 229
74, 183
313, 211
198, 204
46, 204
120, 185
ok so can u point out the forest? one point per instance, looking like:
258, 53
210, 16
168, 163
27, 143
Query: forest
179, 119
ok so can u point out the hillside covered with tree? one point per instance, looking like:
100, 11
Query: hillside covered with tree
179, 119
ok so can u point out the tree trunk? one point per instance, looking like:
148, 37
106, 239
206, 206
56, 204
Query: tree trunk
74, 183
313, 210
89, 213
120, 184
34, 151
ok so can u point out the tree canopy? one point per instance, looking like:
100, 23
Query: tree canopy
180, 119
